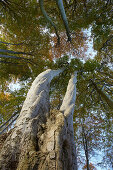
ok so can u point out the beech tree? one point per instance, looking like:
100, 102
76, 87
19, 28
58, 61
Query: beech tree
42, 134
46, 41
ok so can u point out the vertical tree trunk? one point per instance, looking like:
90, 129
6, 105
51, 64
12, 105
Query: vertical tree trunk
85, 144
87, 155
67, 108
42, 139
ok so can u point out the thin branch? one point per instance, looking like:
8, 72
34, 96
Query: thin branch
64, 18
6, 62
14, 57
107, 3
13, 52
102, 102
110, 91
8, 120
8, 125
48, 19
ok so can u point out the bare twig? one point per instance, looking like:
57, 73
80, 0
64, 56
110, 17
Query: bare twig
48, 19
8, 120
8, 125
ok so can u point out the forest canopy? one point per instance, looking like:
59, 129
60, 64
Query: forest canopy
37, 35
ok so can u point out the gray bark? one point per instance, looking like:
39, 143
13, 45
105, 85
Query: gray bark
42, 139
64, 18
67, 108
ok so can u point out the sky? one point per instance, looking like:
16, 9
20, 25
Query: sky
90, 52
14, 86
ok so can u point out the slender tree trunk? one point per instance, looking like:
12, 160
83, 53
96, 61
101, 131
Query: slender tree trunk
85, 144
42, 139
87, 155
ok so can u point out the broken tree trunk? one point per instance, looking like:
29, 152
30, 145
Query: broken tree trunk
42, 139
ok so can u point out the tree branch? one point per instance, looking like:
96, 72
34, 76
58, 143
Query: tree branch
68, 104
14, 57
13, 52
48, 19
107, 43
8, 125
64, 18
12, 63
37, 95
8, 120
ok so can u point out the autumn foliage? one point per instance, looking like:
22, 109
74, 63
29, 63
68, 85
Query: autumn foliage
91, 166
77, 47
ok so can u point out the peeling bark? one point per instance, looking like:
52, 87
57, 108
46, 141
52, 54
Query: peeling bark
42, 139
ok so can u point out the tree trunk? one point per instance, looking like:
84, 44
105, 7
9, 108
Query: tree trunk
85, 144
42, 139
87, 155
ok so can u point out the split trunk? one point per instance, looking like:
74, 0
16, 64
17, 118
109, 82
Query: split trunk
42, 139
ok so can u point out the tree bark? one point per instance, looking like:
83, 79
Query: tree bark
49, 19
64, 18
85, 144
42, 139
